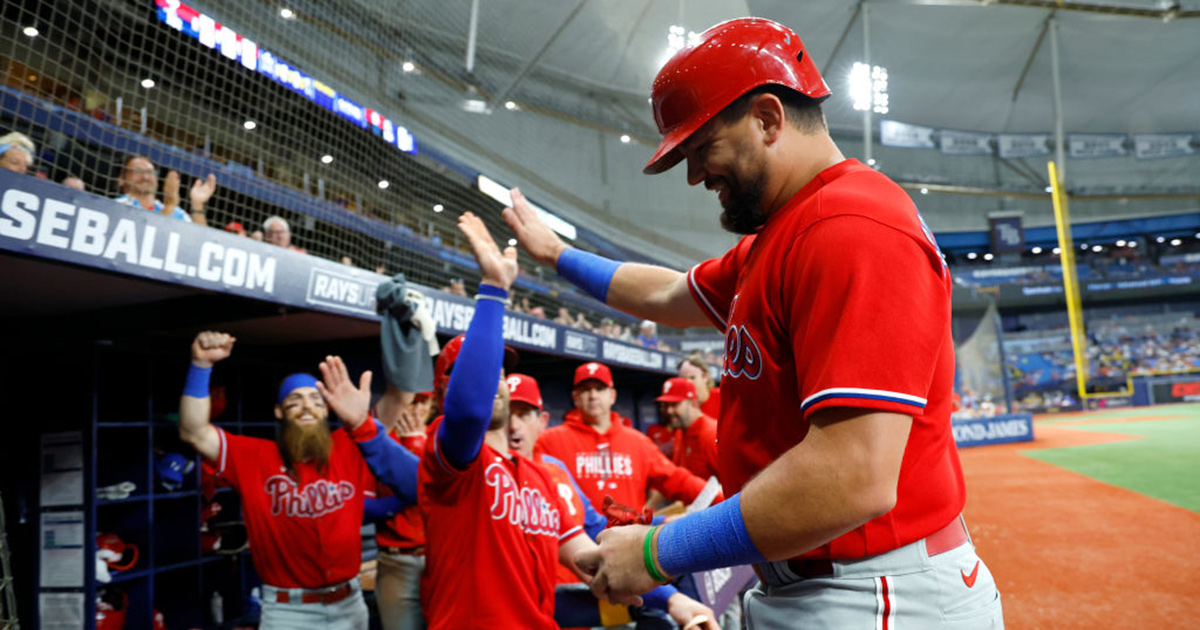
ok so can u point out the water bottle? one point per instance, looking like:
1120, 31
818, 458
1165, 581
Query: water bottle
217, 607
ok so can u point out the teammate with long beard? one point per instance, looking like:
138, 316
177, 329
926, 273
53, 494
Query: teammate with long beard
302, 495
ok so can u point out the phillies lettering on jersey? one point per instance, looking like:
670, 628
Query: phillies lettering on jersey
603, 463
841, 300
315, 499
522, 507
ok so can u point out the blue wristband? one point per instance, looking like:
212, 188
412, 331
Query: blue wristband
196, 384
709, 539
657, 598
587, 271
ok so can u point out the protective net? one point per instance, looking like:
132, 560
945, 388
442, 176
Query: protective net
980, 380
274, 102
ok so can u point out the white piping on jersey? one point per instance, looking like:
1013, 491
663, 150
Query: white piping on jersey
857, 392
704, 299
224, 450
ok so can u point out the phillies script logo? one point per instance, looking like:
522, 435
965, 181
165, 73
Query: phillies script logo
316, 499
522, 507
742, 356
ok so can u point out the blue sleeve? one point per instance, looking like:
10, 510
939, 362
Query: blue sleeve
383, 509
391, 463
657, 598
473, 382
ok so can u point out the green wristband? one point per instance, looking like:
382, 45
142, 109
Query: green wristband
648, 557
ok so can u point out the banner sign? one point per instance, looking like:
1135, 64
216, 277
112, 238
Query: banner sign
966, 142
1007, 233
998, 429
898, 134
1023, 145
1096, 145
1175, 391
46, 220
1153, 146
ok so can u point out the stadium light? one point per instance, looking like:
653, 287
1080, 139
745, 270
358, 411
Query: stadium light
869, 88
249, 125
924, 191
972, 256
326, 159
1197, 234
1121, 243
1097, 248
1131, 244
438, 207
509, 105
30, 31
871, 162
625, 139
1084, 246
475, 106
1176, 242
512, 242
1160, 240
286, 13
677, 37
1056, 251
988, 256
383, 184
147, 83
1049, 189
408, 66
1036, 250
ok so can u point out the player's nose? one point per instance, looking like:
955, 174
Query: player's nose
695, 173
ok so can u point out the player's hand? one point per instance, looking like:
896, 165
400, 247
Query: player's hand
407, 422
498, 269
689, 613
201, 191
170, 189
615, 566
210, 346
350, 403
534, 236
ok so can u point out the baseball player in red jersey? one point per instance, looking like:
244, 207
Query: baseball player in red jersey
695, 446
605, 456
400, 534
302, 496
835, 424
527, 421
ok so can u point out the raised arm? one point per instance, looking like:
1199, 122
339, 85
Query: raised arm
646, 291
195, 407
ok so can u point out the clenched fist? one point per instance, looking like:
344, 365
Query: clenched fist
211, 346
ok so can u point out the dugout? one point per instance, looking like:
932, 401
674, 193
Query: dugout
100, 304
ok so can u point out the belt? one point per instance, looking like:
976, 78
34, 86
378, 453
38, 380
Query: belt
953, 535
419, 550
331, 595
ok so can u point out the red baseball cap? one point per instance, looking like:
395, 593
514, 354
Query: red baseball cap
594, 371
449, 354
419, 396
677, 389
523, 388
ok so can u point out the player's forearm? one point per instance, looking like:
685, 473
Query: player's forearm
391, 404
646, 291
195, 408
472, 388
388, 460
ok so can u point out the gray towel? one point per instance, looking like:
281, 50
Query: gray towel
406, 353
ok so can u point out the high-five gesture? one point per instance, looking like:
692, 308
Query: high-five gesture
210, 347
533, 235
350, 403
498, 269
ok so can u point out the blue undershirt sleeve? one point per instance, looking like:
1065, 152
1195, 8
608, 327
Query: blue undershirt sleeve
472, 389
391, 463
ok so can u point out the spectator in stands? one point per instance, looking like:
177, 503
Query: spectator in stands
348, 261
233, 227
70, 181
257, 235
648, 334
581, 322
538, 312
457, 287
16, 152
139, 188
564, 317
278, 232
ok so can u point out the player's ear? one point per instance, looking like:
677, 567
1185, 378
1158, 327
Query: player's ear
769, 116
544, 418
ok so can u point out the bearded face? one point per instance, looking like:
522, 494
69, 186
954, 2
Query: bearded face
304, 436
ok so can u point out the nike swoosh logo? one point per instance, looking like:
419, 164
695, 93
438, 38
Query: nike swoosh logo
969, 578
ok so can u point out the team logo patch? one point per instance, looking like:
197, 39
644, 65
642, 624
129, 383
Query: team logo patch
742, 356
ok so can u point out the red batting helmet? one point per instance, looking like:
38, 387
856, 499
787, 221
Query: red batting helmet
446, 359
730, 59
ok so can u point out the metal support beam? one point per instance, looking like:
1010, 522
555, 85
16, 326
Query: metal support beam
472, 33
502, 95
1059, 136
842, 39
865, 10
1032, 54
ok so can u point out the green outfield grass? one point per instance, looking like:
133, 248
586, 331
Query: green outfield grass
1162, 460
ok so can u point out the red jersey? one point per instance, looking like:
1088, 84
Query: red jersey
305, 530
492, 537
405, 530
712, 406
841, 300
696, 447
663, 437
571, 501
621, 462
